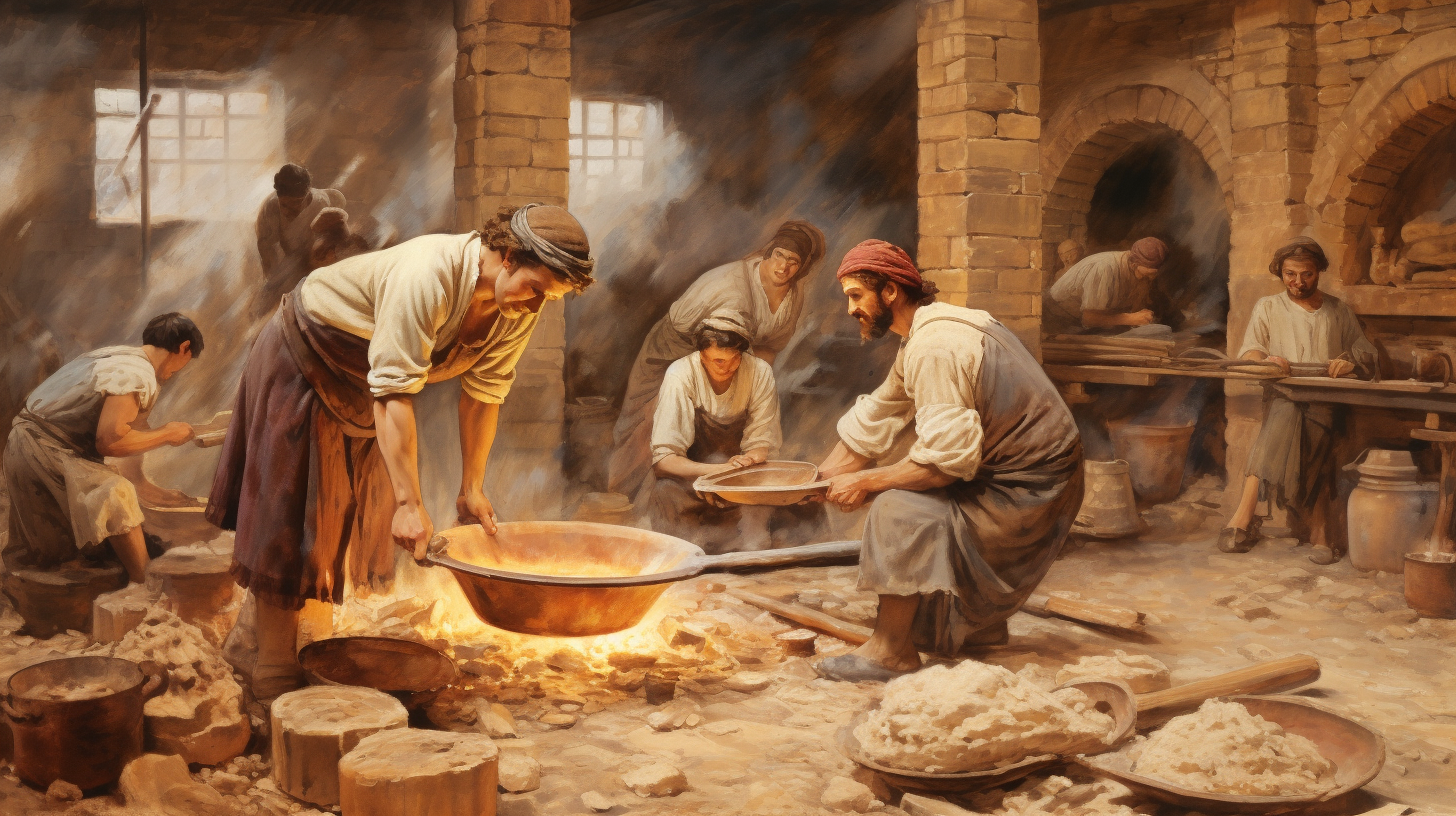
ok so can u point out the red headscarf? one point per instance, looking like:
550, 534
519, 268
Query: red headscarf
882, 258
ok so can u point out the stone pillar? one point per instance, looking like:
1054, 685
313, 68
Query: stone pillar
512, 99
979, 69
1274, 117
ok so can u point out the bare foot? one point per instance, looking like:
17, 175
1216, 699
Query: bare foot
901, 661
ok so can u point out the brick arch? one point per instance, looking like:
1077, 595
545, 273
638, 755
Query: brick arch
1388, 123
1086, 142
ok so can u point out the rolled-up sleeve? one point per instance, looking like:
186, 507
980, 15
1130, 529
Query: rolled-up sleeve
1353, 340
764, 429
870, 427
490, 379
410, 309
947, 426
673, 423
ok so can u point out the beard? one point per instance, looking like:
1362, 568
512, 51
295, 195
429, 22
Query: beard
874, 325
1300, 292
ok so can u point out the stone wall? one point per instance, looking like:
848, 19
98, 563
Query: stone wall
980, 183
512, 99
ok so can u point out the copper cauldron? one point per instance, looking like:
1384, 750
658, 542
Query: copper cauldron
79, 718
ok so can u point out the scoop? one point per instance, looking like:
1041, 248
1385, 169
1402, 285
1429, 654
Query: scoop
772, 484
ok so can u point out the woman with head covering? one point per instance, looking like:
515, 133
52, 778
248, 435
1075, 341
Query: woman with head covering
717, 410
321, 460
764, 293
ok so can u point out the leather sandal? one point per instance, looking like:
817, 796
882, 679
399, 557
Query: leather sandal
1234, 540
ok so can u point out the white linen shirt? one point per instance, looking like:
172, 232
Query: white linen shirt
686, 388
1279, 327
933, 382
409, 300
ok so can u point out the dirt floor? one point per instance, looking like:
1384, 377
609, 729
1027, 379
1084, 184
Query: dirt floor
752, 732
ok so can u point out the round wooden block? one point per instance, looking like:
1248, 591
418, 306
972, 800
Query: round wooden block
313, 728
410, 772
53, 601
196, 583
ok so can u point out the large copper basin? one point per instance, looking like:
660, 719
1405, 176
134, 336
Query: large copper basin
575, 579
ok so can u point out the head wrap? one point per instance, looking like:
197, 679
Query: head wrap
558, 240
728, 320
1149, 252
887, 260
292, 181
802, 239
330, 219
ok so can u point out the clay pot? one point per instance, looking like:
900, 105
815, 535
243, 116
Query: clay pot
1108, 507
88, 741
1390, 513
1156, 455
1430, 584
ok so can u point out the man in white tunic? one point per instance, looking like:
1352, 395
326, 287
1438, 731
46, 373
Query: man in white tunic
320, 464
718, 410
1106, 290
764, 291
283, 230
1292, 461
64, 500
965, 526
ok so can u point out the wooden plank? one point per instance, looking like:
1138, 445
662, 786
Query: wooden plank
1438, 402
1384, 386
1140, 375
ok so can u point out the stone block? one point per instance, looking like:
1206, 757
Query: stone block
990, 213
971, 69
1005, 154
933, 253
1332, 12
468, 97
959, 125
1259, 107
1025, 280
1336, 94
1009, 304
939, 184
1327, 34
476, 181
550, 153
525, 95
502, 151
1018, 126
1418, 21
952, 155
470, 12
1021, 11
988, 96
1018, 61
991, 250
498, 58
1028, 98
943, 215
930, 76
538, 12
1376, 25
1390, 44
552, 129
516, 126
551, 62
1344, 51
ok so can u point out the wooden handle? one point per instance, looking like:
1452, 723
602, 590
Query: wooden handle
1283, 674
1097, 614
818, 621
809, 555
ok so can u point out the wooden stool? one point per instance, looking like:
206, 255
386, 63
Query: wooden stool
52, 601
313, 728
409, 772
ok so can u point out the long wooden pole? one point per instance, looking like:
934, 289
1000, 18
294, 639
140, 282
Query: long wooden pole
145, 170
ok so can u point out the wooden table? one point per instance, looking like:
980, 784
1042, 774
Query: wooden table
1133, 375
1407, 395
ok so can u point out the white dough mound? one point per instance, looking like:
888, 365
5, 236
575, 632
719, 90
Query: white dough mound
976, 717
1222, 748
1141, 672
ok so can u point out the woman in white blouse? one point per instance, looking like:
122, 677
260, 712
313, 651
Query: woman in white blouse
717, 410
764, 293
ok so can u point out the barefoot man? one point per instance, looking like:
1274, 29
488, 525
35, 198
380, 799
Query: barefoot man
962, 529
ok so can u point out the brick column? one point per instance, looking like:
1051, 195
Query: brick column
1274, 116
512, 99
980, 185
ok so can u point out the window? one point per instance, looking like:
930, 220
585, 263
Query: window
213, 150
609, 143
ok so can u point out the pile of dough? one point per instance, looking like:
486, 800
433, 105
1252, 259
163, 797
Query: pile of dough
976, 717
1222, 748
1140, 672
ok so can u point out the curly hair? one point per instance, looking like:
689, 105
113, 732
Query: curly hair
1303, 249
496, 235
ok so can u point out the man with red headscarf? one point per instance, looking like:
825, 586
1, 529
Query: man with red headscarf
1106, 290
963, 528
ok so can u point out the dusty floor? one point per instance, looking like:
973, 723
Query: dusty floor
771, 749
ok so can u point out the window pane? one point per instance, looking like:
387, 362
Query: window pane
164, 127
204, 103
630, 172
212, 128
167, 105
192, 128
573, 123
630, 119
164, 149
114, 198
247, 103
624, 147
599, 167
106, 101
599, 147
638, 148
112, 133
573, 147
249, 139
599, 118
212, 149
